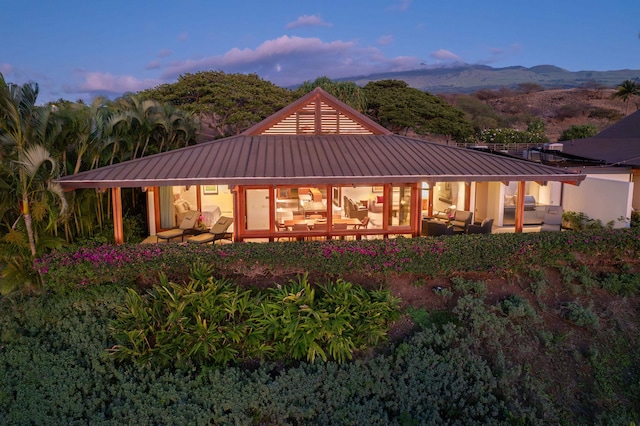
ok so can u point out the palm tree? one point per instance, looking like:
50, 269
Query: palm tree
626, 91
140, 119
27, 165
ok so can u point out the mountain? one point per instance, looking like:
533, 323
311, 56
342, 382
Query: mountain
471, 78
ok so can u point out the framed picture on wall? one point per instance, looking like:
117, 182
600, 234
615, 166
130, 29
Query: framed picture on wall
378, 189
210, 189
284, 192
337, 195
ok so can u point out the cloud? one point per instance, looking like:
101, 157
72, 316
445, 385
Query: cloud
385, 40
164, 53
401, 5
6, 69
497, 54
153, 65
288, 61
308, 21
183, 37
97, 82
445, 55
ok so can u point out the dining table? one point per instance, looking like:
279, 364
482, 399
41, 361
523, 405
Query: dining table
349, 221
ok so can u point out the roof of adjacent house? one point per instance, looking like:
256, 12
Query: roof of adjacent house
618, 144
316, 140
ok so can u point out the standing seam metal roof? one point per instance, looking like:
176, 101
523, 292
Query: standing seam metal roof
315, 159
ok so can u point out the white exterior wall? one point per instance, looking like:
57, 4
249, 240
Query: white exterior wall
598, 198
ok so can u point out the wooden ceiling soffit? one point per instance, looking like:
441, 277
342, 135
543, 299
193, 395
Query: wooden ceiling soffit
317, 113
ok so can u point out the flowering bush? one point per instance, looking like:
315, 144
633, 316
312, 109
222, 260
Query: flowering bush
510, 136
443, 256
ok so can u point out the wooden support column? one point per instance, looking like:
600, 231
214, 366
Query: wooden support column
416, 209
520, 207
467, 196
116, 201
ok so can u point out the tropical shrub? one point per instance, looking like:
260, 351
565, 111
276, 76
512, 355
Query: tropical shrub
580, 315
210, 321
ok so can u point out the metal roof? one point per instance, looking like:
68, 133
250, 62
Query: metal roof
618, 144
315, 159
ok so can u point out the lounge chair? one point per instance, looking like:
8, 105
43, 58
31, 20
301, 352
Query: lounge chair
552, 219
217, 232
460, 221
480, 228
188, 222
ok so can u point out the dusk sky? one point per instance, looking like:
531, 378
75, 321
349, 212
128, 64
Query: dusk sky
77, 49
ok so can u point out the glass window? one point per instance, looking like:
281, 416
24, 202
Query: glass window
400, 214
257, 209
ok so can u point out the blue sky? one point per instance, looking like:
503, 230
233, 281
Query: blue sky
77, 49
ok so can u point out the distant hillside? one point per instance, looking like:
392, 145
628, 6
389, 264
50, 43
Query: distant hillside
471, 78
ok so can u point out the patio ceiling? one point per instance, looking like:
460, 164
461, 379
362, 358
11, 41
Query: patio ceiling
316, 159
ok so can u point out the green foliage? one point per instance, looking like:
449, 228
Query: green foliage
480, 114
346, 91
580, 315
400, 108
478, 363
425, 319
626, 284
475, 288
578, 131
515, 306
212, 322
579, 221
226, 103
626, 91
510, 136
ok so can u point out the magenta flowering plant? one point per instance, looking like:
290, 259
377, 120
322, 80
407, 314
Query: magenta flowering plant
440, 256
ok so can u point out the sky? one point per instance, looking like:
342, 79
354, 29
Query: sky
79, 49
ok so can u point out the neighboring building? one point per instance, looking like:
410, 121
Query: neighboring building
318, 159
611, 190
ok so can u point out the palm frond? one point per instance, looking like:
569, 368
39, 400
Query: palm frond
34, 157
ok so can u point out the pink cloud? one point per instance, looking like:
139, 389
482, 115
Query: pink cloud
291, 60
445, 55
6, 69
501, 53
109, 83
153, 65
308, 21
385, 40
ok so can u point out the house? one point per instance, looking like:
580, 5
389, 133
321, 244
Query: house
317, 167
611, 189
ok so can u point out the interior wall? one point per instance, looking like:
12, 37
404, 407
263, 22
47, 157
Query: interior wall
223, 199
603, 199
359, 193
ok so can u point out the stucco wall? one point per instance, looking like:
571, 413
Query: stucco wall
600, 198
